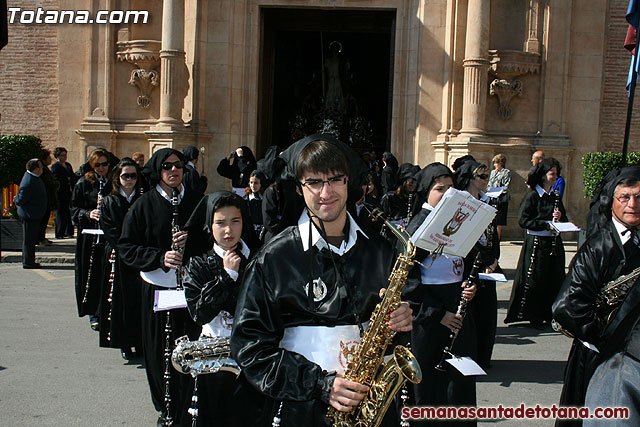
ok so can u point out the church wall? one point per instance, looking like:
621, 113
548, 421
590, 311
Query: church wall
28, 83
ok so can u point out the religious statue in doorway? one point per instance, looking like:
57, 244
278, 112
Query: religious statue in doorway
334, 64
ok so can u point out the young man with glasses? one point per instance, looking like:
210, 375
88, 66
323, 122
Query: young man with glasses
149, 246
604, 362
308, 293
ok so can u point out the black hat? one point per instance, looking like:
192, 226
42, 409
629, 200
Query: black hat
461, 160
537, 172
407, 171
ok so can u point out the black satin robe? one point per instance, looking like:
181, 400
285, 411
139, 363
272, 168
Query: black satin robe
532, 301
599, 260
120, 318
429, 338
146, 237
273, 298
83, 200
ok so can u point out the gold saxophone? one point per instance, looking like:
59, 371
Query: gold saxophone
608, 299
364, 366
207, 355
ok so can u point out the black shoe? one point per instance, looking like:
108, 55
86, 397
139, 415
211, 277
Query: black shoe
31, 266
127, 354
94, 322
539, 325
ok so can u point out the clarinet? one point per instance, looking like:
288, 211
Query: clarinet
168, 347
112, 276
556, 202
462, 311
527, 283
94, 243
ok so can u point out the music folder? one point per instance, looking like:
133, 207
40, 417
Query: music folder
455, 225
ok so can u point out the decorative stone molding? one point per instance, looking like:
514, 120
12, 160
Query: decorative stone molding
505, 90
145, 55
145, 81
506, 65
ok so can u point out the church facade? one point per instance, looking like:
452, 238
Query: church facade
429, 80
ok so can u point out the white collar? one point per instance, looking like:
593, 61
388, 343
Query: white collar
427, 206
620, 227
541, 191
33, 174
483, 197
318, 241
190, 163
221, 252
164, 194
133, 193
252, 196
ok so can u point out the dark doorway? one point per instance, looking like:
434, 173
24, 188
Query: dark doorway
326, 70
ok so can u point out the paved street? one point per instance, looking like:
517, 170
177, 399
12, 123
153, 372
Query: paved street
52, 372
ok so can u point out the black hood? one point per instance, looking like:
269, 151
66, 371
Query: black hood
199, 224
268, 163
464, 174
461, 160
190, 152
390, 160
427, 176
248, 156
600, 209
407, 171
152, 169
537, 172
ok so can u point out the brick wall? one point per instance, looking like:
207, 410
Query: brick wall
613, 110
28, 77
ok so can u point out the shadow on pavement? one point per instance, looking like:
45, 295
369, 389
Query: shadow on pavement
506, 372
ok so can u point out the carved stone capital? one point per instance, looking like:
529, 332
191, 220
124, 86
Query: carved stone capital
141, 53
505, 90
145, 81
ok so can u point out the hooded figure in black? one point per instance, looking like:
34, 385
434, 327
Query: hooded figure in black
192, 179
389, 174
399, 204
121, 288
308, 291
540, 270
601, 259
266, 165
472, 176
434, 290
212, 282
238, 167
146, 246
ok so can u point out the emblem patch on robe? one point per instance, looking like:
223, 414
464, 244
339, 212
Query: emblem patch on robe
347, 350
226, 320
458, 266
319, 290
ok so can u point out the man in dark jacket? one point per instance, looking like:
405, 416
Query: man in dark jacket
604, 357
32, 204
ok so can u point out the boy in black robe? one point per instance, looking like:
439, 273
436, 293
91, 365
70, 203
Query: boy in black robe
308, 291
146, 245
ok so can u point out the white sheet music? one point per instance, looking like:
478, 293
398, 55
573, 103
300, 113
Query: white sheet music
92, 231
466, 366
456, 224
169, 299
494, 192
565, 227
496, 277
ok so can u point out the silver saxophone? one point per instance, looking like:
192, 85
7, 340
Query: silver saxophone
608, 299
208, 355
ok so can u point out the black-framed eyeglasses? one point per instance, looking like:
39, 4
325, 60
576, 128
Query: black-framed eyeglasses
179, 164
626, 198
316, 185
100, 165
129, 176
482, 176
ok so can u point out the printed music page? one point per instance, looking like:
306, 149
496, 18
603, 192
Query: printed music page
466, 365
456, 223
169, 299
564, 227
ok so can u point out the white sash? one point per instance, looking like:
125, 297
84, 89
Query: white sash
329, 347
220, 326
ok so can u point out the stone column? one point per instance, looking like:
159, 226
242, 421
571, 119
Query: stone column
476, 65
172, 63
